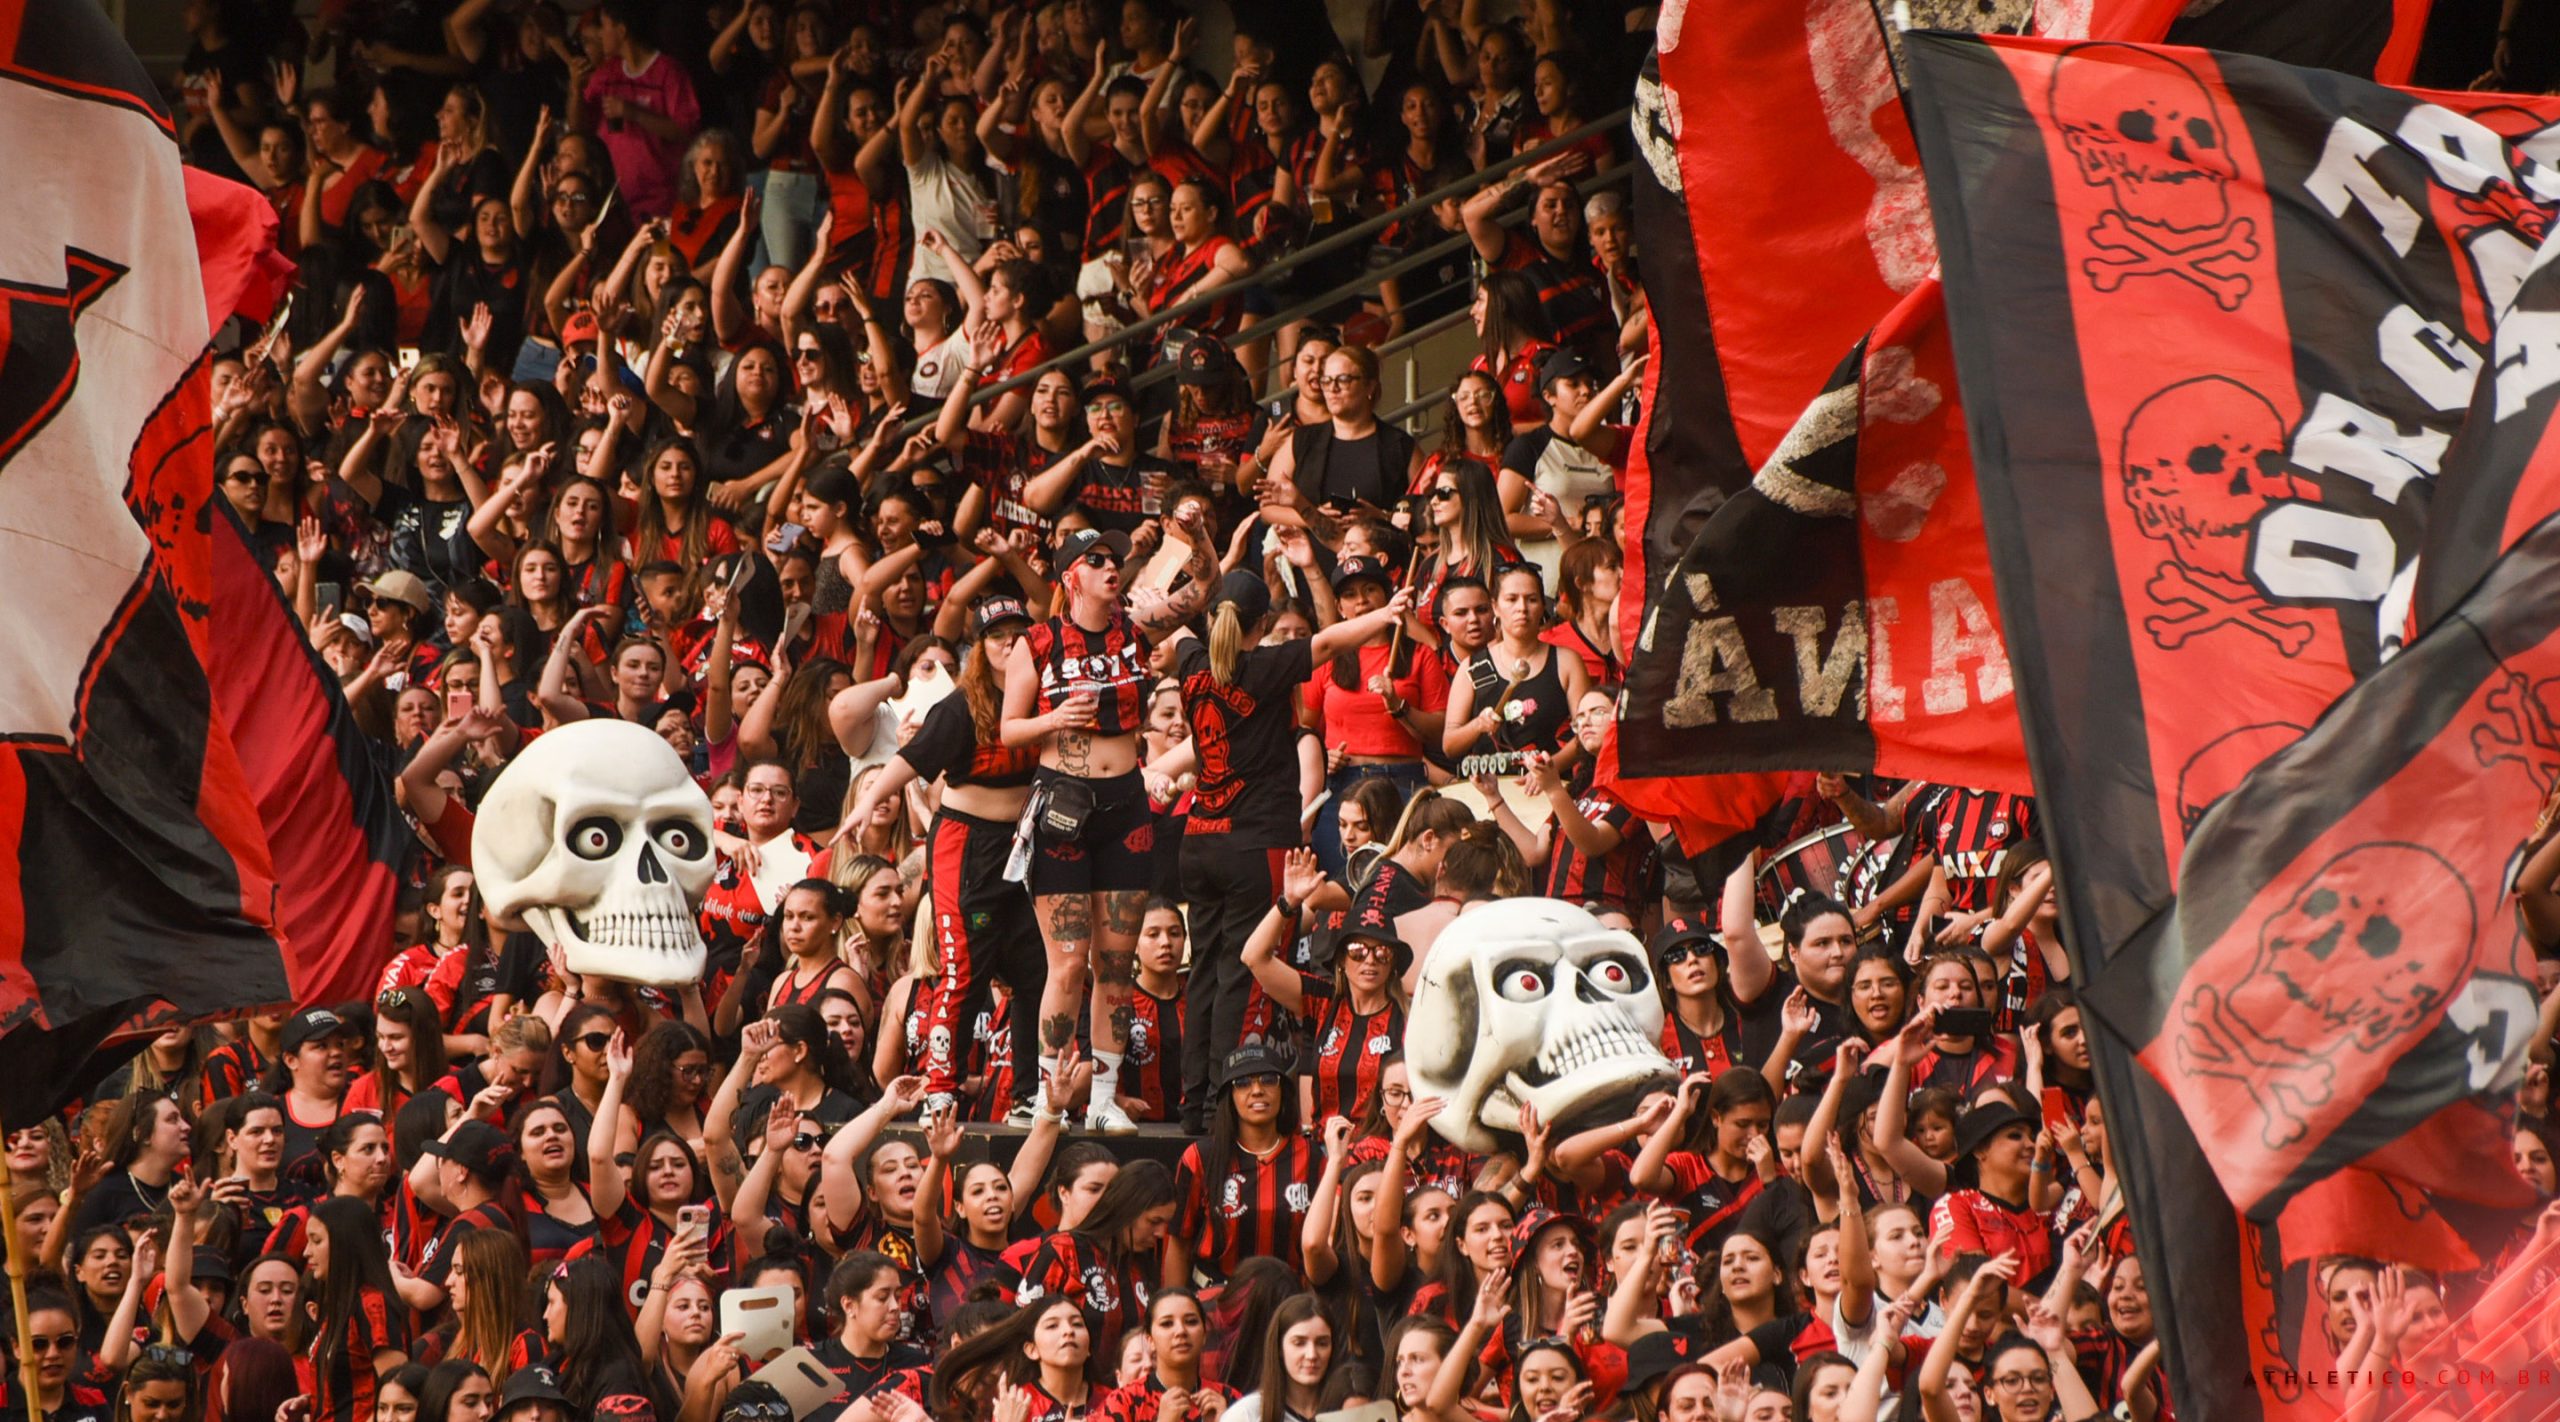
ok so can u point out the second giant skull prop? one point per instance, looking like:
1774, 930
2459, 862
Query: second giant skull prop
1533, 1002
597, 839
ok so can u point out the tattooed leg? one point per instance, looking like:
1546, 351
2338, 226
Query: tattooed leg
1066, 932
1115, 968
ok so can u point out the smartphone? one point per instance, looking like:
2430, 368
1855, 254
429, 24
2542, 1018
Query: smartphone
331, 596
786, 536
693, 1217
1964, 1021
408, 359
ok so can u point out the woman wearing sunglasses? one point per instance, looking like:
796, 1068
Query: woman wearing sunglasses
1075, 690
54, 1331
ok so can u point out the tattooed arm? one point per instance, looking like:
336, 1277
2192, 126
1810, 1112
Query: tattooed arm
1157, 617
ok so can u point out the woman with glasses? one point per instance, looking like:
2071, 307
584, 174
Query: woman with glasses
1356, 1019
53, 1331
576, 1075
1074, 690
1461, 504
1518, 694
670, 1080
1352, 458
665, 1203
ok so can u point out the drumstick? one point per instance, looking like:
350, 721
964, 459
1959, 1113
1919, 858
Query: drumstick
1395, 644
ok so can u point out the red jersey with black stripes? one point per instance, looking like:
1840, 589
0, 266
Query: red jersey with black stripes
1113, 1292
1715, 1202
1691, 1051
1440, 1165
1351, 1048
1256, 1208
1976, 1222
1140, 1400
1970, 831
1623, 878
634, 1240
1110, 662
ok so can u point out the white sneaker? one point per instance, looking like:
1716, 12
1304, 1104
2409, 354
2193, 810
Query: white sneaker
1106, 1117
1026, 1114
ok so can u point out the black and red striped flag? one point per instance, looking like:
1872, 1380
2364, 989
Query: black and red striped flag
1819, 593
134, 879
2218, 322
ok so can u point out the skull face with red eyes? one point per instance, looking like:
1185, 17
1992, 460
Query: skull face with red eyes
1533, 1002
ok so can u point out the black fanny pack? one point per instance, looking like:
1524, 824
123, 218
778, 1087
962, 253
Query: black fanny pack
1064, 806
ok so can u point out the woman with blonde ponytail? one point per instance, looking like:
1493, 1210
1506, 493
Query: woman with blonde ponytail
1245, 814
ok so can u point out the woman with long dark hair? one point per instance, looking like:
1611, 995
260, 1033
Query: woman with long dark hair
670, 1075
148, 1139
1513, 336
590, 1342
1518, 694
1376, 701
1046, 1348
1587, 584
492, 1314
1245, 1189
359, 1330
1110, 1260
408, 1051
1175, 1384
674, 521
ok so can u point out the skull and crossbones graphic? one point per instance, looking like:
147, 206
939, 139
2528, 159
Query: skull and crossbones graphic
2361, 958
2143, 127
2201, 461
2523, 729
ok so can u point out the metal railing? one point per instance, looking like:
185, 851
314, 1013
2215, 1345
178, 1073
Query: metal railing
1270, 326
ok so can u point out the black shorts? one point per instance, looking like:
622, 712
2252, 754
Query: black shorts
1116, 852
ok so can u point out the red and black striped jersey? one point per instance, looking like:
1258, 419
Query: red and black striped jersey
733, 910
1351, 1048
1138, 1401
1110, 661
915, 1310
1689, 1051
1441, 1165
230, 1069
1113, 1292
1715, 1202
1107, 176
1151, 1068
634, 1240
964, 1266
408, 1223
897, 1370
1256, 1209
1976, 1222
343, 1390
1622, 879
1994, 1060
438, 1255
1970, 831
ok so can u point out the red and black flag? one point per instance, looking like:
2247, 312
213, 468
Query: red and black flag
2218, 321
134, 878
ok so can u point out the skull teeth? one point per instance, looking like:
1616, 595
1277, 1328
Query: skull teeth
1583, 1047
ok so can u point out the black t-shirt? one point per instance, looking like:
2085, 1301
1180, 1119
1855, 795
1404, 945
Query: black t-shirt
1118, 499
1761, 1028
946, 746
833, 1109
1352, 471
465, 281
863, 1376
1246, 735
736, 444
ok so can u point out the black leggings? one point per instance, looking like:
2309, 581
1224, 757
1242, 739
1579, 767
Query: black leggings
1229, 890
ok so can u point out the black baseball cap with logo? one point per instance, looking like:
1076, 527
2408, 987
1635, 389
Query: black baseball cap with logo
315, 1024
1078, 542
1356, 569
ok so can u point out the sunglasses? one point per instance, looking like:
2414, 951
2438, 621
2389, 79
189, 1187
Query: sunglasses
1679, 953
1368, 953
1099, 560
807, 1140
1440, 496
165, 1355
250, 476
59, 1343
594, 1041
810, 354
397, 997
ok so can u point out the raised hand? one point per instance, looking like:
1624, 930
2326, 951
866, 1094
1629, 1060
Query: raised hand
781, 1124
309, 543
617, 1053
1337, 1138
1300, 875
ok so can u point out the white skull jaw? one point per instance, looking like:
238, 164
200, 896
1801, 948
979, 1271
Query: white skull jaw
597, 839
1533, 1003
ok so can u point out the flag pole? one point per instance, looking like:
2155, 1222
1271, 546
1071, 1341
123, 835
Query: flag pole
18, 1299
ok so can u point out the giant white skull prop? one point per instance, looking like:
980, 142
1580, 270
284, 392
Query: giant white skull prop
2202, 459
597, 839
2143, 126
1533, 1002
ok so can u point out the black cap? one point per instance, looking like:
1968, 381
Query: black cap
315, 1024
1676, 931
1079, 542
1103, 387
1649, 1357
996, 611
1254, 1059
1249, 594
1358, 569
1205, 361
477, 1147
1561, 365
1989, 1117
1371, 921
536, 1383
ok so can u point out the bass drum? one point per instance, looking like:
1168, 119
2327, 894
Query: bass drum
1818, 863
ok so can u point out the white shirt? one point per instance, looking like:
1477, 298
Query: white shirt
943, 196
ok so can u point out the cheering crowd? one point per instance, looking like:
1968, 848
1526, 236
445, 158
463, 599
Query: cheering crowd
781, 379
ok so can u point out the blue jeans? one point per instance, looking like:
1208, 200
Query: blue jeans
1408, 776
793, 202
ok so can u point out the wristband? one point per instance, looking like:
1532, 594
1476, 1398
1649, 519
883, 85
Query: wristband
1287, 909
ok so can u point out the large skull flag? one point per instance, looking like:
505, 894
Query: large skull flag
597, 839
1533, 1002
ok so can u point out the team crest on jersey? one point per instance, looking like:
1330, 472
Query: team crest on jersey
1381, 1044
1233, 1203
1332, 1043
1099, 1295
1142, 1042
1298, 1198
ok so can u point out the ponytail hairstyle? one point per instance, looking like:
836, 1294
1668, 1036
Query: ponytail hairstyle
1484, 864
799, 1025
1429, 812
1227, 640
